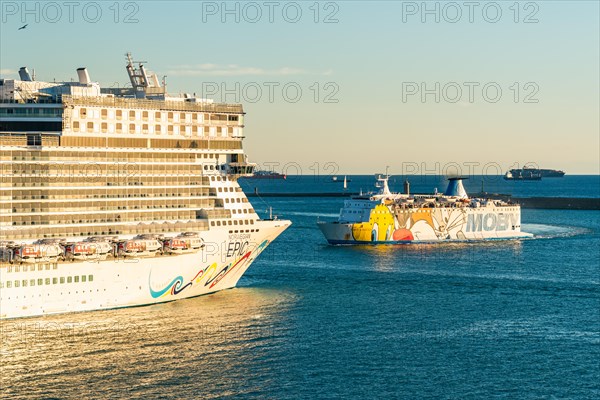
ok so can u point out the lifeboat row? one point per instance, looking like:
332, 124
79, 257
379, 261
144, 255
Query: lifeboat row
99, 248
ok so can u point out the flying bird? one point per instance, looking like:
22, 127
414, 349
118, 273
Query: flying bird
23, 27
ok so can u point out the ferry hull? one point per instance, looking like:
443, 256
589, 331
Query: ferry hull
425, 225
128, 282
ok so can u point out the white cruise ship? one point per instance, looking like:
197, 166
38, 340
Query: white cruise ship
386, 217
120, 197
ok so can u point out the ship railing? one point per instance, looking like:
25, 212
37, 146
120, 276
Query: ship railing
153, 104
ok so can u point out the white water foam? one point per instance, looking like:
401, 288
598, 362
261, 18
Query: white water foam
543, 231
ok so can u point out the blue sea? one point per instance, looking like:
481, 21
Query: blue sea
511, 319
569, 186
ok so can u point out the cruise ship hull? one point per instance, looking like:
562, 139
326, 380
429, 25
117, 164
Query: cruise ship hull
128, 282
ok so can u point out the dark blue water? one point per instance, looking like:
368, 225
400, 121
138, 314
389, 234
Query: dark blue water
568, 186
508, 319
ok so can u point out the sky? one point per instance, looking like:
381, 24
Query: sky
350, 87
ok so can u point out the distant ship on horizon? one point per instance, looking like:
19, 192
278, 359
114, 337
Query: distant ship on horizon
266, 175
532, 174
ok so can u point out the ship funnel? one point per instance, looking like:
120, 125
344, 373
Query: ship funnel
456, 188
24, 74
84, 76
155, 81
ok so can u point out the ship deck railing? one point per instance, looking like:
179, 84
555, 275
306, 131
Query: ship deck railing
153, 104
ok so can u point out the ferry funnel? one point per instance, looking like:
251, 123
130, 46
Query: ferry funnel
84, 76
456, 188
24, 74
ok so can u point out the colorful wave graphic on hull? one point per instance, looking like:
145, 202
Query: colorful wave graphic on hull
176, 286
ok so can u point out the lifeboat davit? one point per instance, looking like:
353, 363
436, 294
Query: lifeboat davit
6, 251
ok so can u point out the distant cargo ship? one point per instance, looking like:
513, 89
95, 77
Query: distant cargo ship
532, 174
266, 175
551, 173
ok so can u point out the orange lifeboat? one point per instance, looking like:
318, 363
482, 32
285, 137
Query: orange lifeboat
184, 243
139, 248
35, 253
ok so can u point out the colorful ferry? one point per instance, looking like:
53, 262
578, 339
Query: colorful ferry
384, 217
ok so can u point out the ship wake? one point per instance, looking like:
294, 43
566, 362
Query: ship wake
544, 231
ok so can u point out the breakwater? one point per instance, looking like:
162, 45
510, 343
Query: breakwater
556, 203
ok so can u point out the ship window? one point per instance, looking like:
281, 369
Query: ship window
40, 282
90, 278
54, 281
34, 139
47, 282
119, 114
131, 114
32, 282
17, 284
69, 279
75, 126
158, 116
104, 127
131, 128
83, 278
119, 128
76, 278
145, 128
104, 113
207, 129
170, 116
182, 117
90, 126
170, 129
82, 113
62, 279
24, 283
158, 129
145, 115
8, 284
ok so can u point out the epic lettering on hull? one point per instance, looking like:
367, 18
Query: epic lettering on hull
491, 222
236, 248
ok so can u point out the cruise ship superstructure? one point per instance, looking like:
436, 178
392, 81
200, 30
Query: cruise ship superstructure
115, 197
388, 218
